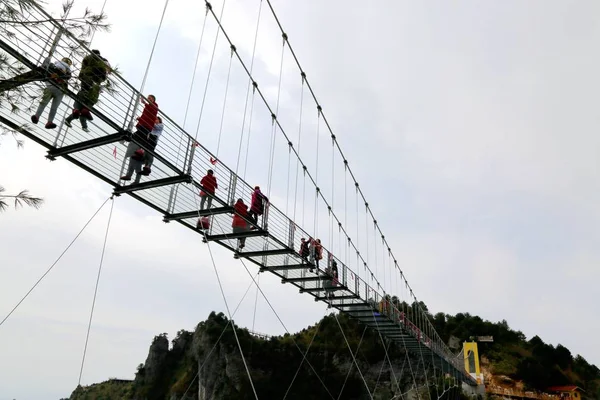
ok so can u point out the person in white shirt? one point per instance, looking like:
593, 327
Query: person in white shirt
153, 137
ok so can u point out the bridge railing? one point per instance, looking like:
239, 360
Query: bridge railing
177, 153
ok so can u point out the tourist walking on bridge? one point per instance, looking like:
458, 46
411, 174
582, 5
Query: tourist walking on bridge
146, 121
257, 207
209, 185
58, 82
317, 252
94, 71
239, 223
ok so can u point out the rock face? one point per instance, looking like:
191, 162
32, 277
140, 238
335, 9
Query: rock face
207, 365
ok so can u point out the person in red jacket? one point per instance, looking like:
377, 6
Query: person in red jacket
239, 224
147, 120
257, 207
209, 183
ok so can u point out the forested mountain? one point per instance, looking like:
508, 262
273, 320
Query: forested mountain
171, 371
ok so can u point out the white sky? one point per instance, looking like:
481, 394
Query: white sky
471, 127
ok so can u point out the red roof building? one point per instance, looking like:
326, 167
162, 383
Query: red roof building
567, 392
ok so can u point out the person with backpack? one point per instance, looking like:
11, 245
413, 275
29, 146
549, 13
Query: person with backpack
209, 185
257, 207
59, 74
239, 223
94, 71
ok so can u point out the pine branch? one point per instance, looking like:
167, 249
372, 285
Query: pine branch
20, 199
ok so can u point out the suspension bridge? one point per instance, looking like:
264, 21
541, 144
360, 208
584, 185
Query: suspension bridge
180, 162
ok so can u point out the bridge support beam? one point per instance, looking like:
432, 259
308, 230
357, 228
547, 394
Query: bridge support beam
152, 184
227, 236
275, 252
198, 213
286, 268
86, 145
307, 279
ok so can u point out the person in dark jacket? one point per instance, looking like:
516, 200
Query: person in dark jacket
94, 71
239, 223
59, 74
257, 207
209, 183
304, 251
317, 248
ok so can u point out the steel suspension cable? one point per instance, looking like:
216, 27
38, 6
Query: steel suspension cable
286, 329
353, 357
249, 131
87, 336
352, 365
281, 321
274, 118
283, 131
162, 17
187, 106
54, 263
218, 340
316, 216
304, 357
299, 143
225, 101
315, 98
212, 58
230, 317
250, 83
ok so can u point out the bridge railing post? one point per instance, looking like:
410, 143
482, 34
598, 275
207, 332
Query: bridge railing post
188, 161
128, 119
232, 188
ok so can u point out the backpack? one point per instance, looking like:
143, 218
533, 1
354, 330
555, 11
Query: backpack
203, 223
138, 155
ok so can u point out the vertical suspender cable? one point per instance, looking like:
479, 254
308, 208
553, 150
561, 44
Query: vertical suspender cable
316, 216
137, 103
247, 95
212, 58
274, 120
303, 75
367, 240
225, 100
187, 106
249, 132
332, 186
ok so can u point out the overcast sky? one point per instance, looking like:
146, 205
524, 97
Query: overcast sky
471, 127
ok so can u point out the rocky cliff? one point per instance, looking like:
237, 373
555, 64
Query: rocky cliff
206, 364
